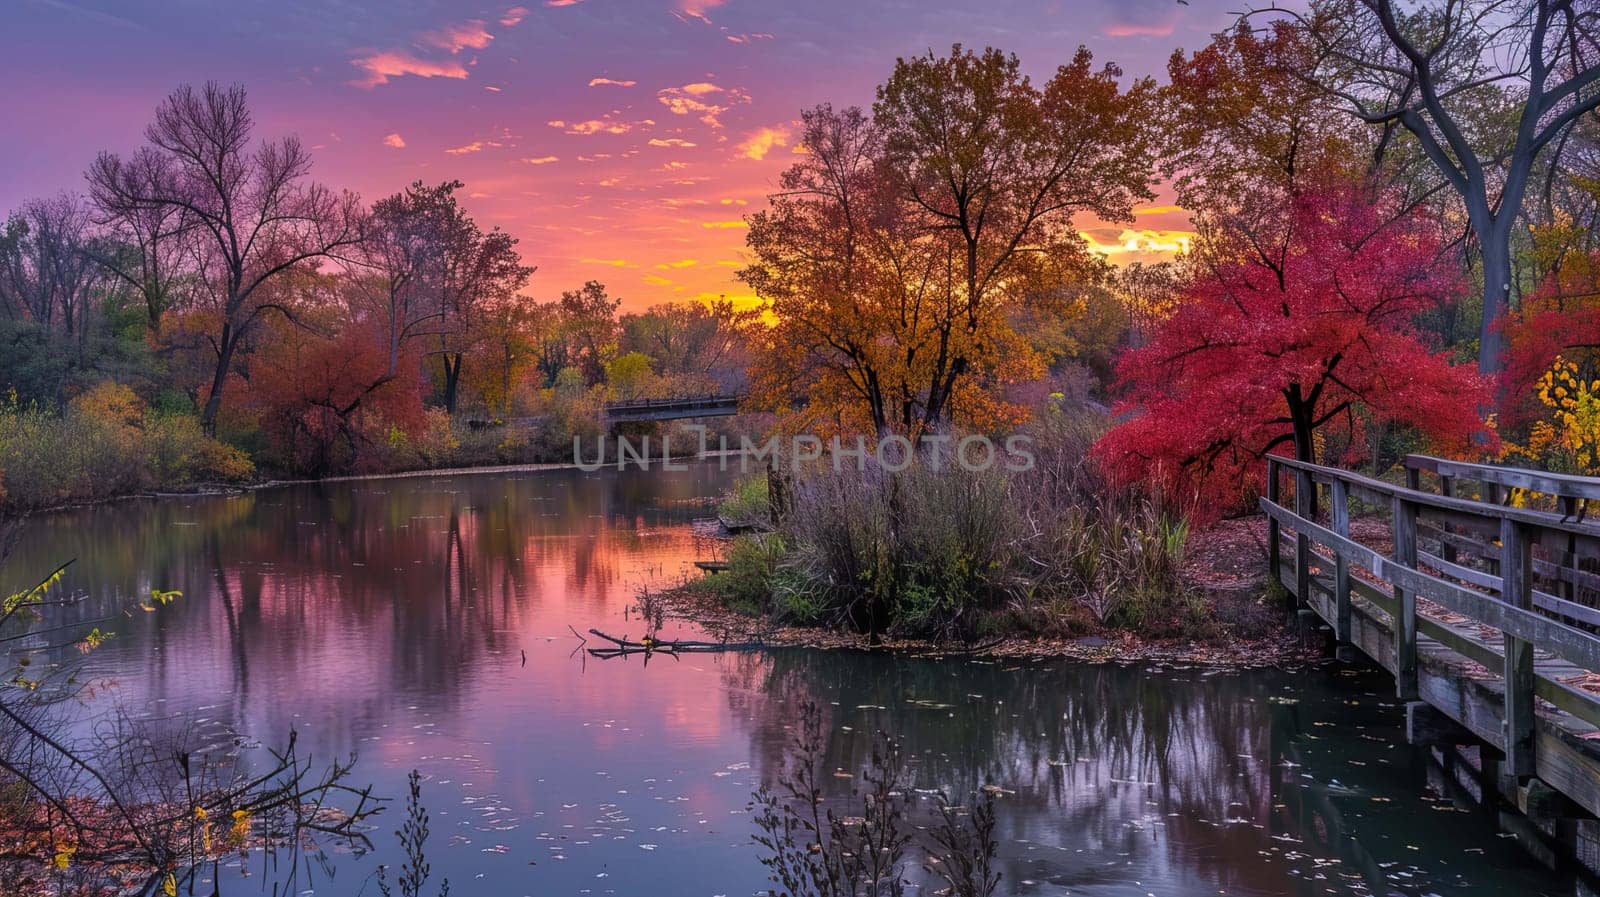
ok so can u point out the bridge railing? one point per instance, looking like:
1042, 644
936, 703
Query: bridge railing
1494, 482
673, 402
1331, 571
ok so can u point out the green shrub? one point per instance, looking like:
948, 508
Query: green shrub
746, 503
749, 583
179, 453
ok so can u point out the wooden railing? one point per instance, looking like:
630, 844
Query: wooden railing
672, 408
1474, 557
1495, 483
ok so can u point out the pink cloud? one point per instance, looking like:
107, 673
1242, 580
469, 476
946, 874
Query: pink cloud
670, 141
560, 3
472, 147
382, 66
394, 140
455, 38
1152, 26
541, 160
697, 9
513, 16
610, 82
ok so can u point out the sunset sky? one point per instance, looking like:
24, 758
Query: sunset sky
620, 140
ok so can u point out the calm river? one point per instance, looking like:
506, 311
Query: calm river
390, 617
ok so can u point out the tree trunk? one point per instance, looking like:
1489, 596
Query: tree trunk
1301, 416
452, 380
219, 378
1496, 299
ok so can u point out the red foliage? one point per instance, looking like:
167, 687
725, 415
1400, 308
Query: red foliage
328, 404
1561, 317
1280, 335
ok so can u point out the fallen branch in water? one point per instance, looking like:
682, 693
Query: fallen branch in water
652, 645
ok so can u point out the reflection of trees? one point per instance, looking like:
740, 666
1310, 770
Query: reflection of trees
1105, 752
1098, 757
347, 597
1204, 777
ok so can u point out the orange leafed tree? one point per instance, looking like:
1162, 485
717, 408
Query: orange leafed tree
903, 242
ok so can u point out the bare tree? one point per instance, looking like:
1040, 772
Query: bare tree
46, 273
256, 213
145, 242
406, 256
1454, 74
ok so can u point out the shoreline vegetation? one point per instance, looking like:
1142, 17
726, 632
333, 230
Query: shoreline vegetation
1054, 560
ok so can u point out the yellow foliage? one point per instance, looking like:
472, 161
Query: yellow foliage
1573, 427
111, 403
240, 832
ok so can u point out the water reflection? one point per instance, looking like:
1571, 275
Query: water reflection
425, 623
1171, 780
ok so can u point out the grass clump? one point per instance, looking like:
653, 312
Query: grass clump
947, 553
747, 503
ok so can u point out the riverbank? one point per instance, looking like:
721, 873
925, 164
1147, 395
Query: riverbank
1225, 569
204, 489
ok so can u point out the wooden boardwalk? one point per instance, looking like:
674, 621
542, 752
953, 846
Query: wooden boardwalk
1478, 587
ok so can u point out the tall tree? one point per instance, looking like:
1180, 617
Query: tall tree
481, 268
1245, 131
403, 262
552, 352
1267, 353
903, 243
589, 319
1433, 67
997, 167
257, 214
146, 242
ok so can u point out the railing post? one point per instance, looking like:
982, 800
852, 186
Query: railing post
1413, 479
1303, 487
1404, 525
1447, 488
1274, 534
1341, 567
1567, 585
1516, 589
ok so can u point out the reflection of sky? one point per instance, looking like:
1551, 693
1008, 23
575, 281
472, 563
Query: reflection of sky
619, 139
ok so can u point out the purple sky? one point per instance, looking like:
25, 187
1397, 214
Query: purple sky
619, 139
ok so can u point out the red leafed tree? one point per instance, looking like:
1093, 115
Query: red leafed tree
1561, 317
327, 402
1282, 334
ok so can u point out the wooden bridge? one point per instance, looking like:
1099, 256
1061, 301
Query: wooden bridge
1478, 587
675, 408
